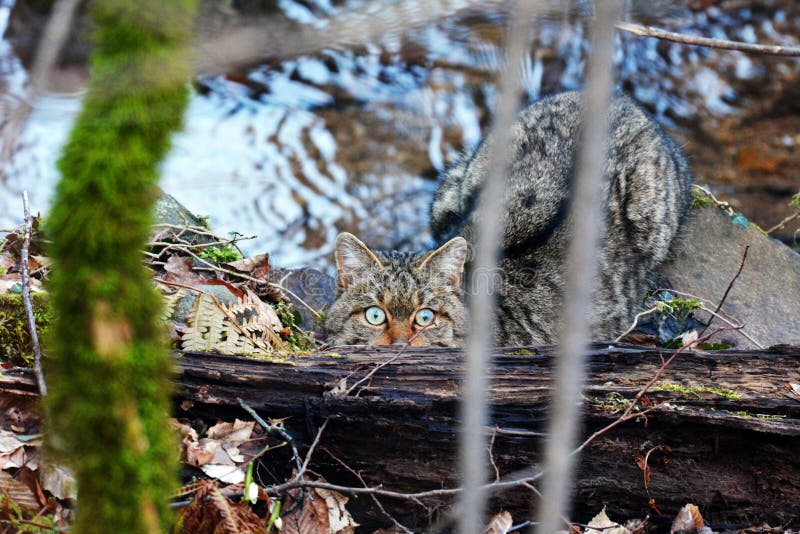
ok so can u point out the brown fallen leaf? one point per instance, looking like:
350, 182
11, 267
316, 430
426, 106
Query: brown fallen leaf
256, 266
312, 516
322, 512
28, 477
688, 520
18, 492
339, 519
59, 481
179, 269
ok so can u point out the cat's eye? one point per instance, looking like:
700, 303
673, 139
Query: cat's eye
424, 317
375, 316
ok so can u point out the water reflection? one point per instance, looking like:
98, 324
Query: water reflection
298, 150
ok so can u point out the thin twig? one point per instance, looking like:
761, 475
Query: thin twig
26, 297
728, 290
53, 37
310, 451
733, 280
356, 474
538, 493
275, 430
636, 323
387, 362
696, 40
784, 222
721, 204
626, 415
738, 327
491, 456
474, 411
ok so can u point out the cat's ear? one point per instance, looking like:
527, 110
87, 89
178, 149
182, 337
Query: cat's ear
353, 258
447, 262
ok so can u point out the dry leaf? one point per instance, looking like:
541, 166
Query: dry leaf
688, 520
339, 519
229, 474
179, 269
231, 432
257, 266
59, 481
311, 517
29, 478
601, 524
18, 492
337, 391
323, 513
500, 523
13, 453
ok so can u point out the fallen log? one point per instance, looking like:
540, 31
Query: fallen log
727, 425
722, 429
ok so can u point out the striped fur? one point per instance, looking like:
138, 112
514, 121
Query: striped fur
647, 181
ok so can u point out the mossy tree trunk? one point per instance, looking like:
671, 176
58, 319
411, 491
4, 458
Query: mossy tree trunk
109, 370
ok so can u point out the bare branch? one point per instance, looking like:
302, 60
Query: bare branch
581, 269
628, 413
781, 225
26, 297
482, 303
276, 431
53, 38
368, 23
356, 474
750, 48
310, 451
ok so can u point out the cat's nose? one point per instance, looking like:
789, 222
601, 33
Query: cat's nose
400, 341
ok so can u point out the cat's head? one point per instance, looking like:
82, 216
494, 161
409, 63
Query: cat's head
389, 298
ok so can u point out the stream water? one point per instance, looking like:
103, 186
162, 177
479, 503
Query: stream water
295, 151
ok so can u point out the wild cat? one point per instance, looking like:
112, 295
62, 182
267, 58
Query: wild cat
397, 297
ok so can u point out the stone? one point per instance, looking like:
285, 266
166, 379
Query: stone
766, 296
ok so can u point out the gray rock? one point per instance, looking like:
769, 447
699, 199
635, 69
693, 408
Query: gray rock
766, 296
316, 288
169, 211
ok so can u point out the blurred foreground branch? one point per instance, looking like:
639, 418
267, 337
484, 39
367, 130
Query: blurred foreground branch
582, 258
53, 38
483, 303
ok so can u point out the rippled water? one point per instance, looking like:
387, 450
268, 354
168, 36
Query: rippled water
298, 150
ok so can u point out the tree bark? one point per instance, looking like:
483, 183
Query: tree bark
726, 423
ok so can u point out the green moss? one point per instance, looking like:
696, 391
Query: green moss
224, 254
701, 200
15, 338
758, 228
770, 417
696, 390
613, 402
297, 338
795, 202
109, 368
18, 519
521, 352
761, 416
